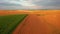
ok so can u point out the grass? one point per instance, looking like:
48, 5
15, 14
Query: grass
9, 22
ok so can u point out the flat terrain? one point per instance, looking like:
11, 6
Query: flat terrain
9, 22
39, 24
6, 12
37, 21
32, 25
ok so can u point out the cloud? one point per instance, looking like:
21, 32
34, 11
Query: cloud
30, 4
49, 4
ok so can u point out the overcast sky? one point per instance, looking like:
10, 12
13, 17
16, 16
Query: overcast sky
29, 4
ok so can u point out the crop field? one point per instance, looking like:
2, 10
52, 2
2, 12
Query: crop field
29, 21
9, 22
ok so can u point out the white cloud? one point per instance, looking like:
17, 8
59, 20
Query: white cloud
22, 2
30, 4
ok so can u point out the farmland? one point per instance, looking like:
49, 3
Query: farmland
9, 22
36, 22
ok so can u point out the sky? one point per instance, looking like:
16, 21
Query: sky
29, 4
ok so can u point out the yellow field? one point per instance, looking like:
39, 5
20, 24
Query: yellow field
5, 12
48, 17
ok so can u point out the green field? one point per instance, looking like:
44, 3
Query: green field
9, 22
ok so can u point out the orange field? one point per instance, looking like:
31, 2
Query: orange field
37, 21
47, 12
